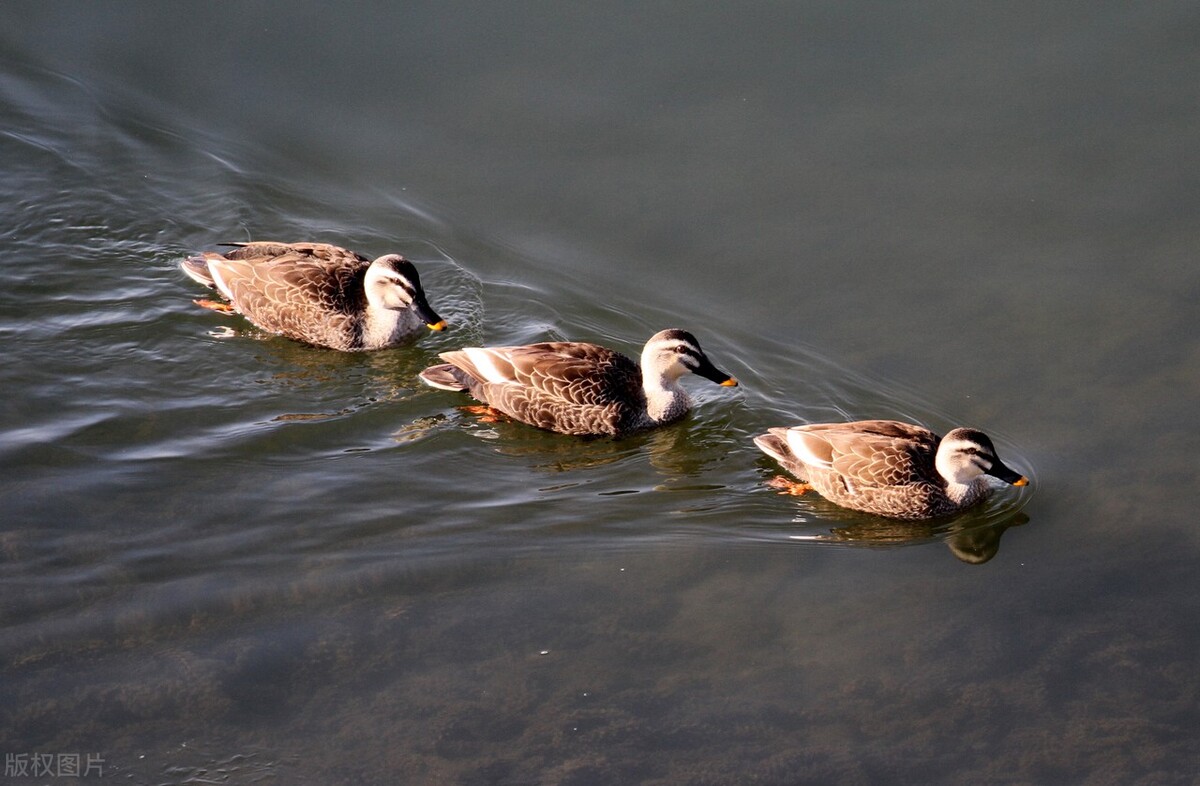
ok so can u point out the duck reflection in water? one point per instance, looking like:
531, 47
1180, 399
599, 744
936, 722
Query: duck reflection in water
970, 539
680, 451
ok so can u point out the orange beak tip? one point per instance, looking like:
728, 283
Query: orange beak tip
730, 383
1021, 482
438, 326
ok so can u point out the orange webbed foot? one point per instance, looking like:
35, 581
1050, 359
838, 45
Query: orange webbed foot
215, 305
485, 413
789, 487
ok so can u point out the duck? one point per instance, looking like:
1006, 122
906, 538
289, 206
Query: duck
888, 468
578, 388
317, 293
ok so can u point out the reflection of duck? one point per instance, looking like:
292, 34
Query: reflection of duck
888, 468
977, 545
318, 293
578, 388
678, 455
542, 451
968, 541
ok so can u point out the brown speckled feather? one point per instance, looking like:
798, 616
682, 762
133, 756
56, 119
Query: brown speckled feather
579, 388
877, 466
308, 291
569, 387
876, 452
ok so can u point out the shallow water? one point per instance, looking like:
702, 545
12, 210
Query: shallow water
226, 557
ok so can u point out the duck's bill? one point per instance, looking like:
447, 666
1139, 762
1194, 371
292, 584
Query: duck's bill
1002, 472
429, 316
709, 371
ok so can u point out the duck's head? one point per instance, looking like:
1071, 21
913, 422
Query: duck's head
392, 282
965, 453
670, 354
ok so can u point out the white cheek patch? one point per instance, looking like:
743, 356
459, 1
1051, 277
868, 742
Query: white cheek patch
398, 296
485, 362
670, 347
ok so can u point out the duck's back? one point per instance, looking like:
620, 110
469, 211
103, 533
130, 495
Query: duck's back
568, 387
881, 466
871, 453
312, 292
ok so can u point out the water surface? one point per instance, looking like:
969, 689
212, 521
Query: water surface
227, 557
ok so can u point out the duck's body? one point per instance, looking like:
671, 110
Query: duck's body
320, 294
580, 388
889, 468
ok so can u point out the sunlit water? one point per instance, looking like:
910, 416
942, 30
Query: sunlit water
228, 557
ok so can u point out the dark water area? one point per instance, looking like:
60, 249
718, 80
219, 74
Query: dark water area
229, 558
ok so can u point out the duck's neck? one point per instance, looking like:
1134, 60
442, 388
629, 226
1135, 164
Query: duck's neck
383, 326
964, 494
665, 399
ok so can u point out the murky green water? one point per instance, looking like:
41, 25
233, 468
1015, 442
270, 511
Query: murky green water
236, 559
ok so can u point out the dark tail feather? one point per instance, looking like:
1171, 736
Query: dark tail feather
773, 446
197, 269
444, 377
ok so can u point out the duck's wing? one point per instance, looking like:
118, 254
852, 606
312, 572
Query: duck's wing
569, 372
867, 453
326, 253
308, 291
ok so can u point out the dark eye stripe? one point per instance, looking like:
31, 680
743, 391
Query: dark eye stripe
405, 285
683, 349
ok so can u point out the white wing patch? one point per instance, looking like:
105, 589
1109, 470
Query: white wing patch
214, 267
491, 365
805, 446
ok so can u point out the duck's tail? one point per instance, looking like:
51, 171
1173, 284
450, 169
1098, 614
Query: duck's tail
773, 444
197, 269
444, 377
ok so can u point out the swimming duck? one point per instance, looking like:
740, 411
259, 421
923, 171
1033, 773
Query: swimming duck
887, 467
318, 293
578, 388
